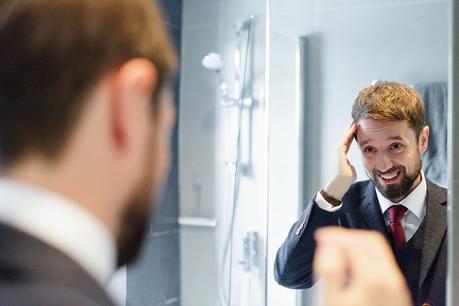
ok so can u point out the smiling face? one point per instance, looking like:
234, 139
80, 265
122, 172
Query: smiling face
391, 154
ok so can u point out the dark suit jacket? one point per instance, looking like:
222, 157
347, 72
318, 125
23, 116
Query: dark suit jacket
361, 210
35, 274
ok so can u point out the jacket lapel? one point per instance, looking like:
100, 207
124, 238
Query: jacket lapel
435, 227
371, 211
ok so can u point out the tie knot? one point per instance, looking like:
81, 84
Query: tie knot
396, 213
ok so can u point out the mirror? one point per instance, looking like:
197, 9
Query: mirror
264, 95
321, 54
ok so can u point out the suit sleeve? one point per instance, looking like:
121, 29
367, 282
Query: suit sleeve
293, 265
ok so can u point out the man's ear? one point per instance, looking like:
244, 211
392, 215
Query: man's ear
424, 139
133, 86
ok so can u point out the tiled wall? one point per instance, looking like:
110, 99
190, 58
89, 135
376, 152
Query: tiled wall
155, 279
349, 44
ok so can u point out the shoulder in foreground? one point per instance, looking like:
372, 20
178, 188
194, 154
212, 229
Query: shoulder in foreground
39, 295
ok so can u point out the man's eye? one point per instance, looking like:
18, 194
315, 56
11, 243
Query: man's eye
369, 150
396, 147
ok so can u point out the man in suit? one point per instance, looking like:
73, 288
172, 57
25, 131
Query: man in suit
397, 200
85, 117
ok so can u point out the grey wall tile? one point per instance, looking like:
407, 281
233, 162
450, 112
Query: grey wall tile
199, 267
372, 4
198, 185
155, 278
197, 42
292, 7
200, 12
283, 57
392, 43
152, 281
198, 127
294, 25
172, 10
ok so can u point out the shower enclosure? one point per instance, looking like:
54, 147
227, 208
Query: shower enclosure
223, 156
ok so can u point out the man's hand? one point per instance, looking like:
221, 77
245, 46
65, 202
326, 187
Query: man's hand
345, 171
357, 268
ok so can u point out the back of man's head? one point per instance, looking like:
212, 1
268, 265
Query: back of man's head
52, 52
390, 101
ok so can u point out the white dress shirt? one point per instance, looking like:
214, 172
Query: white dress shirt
60, 223
415, 203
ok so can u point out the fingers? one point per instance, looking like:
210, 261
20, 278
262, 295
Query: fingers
358, 268
363, 249
345, 173
348, 137
329, 263
330, 272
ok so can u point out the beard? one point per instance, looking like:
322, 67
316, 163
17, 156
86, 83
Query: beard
397, 192
139, 211
135, 221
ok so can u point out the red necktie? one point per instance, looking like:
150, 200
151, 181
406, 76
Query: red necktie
396, 213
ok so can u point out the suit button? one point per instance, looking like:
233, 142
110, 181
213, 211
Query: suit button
425, 304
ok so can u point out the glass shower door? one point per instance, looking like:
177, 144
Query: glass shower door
223, 177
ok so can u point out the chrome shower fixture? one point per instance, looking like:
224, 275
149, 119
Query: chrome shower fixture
243, 24
214, 62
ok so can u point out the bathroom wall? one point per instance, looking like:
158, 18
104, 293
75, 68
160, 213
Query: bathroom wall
207, 139
155, 279
348, 44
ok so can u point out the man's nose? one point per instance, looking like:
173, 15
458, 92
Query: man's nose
384, 163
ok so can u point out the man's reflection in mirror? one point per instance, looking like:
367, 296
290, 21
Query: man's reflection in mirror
397, 200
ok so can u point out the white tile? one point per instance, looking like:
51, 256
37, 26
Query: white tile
199, 268
292, 7
336, 116
235, 10
282, 7
295, 24
196, 43
407, 43
198, 127
200, 12
391, 43
197, 190
283, 128
373, 4
283, 64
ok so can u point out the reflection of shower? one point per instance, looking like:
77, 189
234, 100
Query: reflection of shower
241, 100
213, 61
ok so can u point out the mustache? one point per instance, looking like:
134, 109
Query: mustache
393, 169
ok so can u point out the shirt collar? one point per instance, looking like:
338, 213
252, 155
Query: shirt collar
60, 223
414, 201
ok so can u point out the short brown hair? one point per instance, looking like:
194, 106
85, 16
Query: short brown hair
52, 52
390, 101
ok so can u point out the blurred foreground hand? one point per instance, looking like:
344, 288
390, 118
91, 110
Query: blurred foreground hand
357, 268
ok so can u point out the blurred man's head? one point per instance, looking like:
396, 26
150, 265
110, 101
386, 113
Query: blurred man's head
392, 136
85, 108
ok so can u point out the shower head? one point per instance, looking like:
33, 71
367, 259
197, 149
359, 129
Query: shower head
212, 61
243, 24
